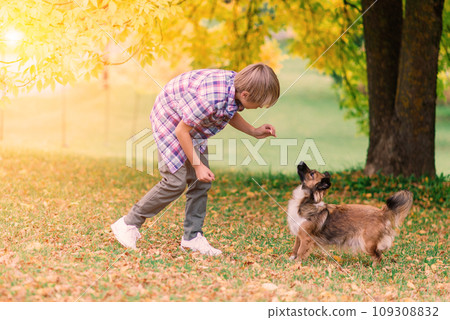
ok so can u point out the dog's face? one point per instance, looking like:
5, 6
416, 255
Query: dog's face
313, 181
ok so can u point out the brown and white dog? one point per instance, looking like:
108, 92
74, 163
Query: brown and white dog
347, 226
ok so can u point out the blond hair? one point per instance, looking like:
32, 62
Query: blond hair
261, 83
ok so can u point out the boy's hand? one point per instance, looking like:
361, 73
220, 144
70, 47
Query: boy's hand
266, 130
204, 174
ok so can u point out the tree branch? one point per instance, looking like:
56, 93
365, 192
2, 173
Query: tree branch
105, 62
10, 62
27, 83
58, 4
178, 3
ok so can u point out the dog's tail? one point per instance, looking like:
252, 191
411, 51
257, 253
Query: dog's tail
398, 207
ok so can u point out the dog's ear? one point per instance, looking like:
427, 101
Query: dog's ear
302, 170
325, 182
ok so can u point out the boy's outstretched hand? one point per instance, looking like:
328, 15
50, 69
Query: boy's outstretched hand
204, 174
266, 130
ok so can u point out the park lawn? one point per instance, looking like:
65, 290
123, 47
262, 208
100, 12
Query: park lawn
56, 244
307, 110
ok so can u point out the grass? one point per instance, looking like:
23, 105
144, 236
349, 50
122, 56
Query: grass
56, 243
309, 109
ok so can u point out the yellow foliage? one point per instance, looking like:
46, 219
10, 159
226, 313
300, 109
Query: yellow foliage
272, 55
66, 41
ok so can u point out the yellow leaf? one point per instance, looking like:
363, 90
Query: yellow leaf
112, 7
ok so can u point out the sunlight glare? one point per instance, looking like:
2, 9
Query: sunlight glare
13, 37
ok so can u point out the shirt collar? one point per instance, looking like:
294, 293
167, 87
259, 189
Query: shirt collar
239, 105
233, 105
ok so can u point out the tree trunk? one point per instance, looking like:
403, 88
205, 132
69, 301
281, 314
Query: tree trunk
382, 34
402, 62
415, 103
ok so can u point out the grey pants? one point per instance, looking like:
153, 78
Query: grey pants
170, 188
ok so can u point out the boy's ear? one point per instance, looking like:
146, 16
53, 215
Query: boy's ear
302, 170
245, 94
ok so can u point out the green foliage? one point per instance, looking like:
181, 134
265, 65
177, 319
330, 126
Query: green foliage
317, 25
444, 53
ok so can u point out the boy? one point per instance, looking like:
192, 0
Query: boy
193, 107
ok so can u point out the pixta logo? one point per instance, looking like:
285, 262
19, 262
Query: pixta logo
142, 148
141, 152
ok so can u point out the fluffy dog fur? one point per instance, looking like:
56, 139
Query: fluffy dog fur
347, 226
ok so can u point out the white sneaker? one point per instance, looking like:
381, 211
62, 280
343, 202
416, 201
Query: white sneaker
125, 234
199, 243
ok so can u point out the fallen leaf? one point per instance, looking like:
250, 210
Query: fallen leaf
269, 286
411, 285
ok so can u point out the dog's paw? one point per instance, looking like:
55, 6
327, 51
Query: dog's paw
292, 257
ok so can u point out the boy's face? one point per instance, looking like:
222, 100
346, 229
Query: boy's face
250, 105
241, 99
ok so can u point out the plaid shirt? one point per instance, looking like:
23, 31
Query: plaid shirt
203, 99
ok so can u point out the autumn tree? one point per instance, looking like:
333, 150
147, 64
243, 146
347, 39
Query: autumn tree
64, 41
